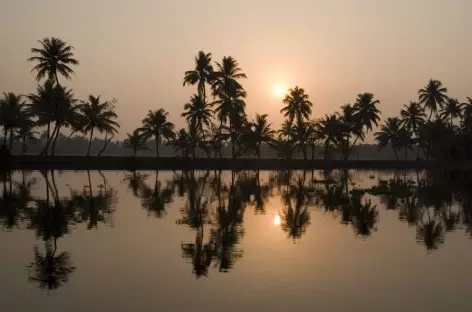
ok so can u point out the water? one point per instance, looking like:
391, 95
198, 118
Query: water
247, 241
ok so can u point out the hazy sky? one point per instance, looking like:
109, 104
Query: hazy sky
137, 51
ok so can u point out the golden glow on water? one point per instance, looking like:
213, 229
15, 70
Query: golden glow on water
277, 220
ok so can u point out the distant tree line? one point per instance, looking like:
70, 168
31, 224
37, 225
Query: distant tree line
435, 126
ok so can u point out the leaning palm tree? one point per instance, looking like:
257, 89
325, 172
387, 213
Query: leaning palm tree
198, 113
298, 107
451, 110
52, 57
365, 110
389, 134
433, 96
201, 75
156, 125
136, 141
97, 116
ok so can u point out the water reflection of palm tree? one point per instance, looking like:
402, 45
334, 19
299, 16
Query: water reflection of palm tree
295, 220
199, 253
410, 210
50, 270
430, 231
154, 199
252, 191
135, 181
93, 208
365, 216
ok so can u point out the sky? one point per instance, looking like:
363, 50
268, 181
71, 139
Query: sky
137, 51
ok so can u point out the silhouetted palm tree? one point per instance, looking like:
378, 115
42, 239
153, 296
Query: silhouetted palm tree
331, 131
412, 117
433, 96
13, 111
451, 110
97, 116
226, 77
156, 125
350, 124
198, 113
365, 109
258, 132
298, 106
26, 132
54, 56
202, 74
389, 134
136, 141
50, 271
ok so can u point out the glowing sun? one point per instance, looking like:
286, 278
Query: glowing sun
277, 220
279, 90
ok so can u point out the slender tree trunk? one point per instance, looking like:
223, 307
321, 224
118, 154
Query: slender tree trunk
157, 145
312, 151
395, 152
258, 151
304, 151
430, 114
50, 139
107, 141
48, 134
53, 147
23, 145
90, 141
57, 78
11, 140
5, 132
406, 157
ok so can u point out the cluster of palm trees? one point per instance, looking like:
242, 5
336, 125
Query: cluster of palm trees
434, 125
216, 116
54, 106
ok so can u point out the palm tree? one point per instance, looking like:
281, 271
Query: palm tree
156, 124
42, 105
298, 107
451, 110
97, 115
226, 77
350, 125
260, 132
136, 141
13, 111
202, 74
26, 132
413, 116
389, 134
467, 108
433, 96
182, 142
54, 56
365, 110
330, 130
198, 113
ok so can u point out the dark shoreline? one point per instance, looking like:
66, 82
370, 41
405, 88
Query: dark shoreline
172, 163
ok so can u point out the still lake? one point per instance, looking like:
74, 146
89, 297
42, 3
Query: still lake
361, 240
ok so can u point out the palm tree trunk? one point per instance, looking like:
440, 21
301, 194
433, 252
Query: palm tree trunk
90, 141
11, 140
157, 146
53, 147
395, 152
23, 145
5, 132
304, 151
430, 114
312, 151
57, 78
48, 134
107, 141
406, 157
258, 151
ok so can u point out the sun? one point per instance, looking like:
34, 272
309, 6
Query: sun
279, 90
277, 220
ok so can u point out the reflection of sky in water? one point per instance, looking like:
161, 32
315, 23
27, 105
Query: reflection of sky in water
279, 256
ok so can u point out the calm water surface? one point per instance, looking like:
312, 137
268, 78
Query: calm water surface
234, 241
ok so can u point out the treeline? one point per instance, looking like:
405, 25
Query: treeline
434, 126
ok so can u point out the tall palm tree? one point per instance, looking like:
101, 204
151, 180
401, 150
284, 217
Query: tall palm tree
433, 96
298, 106
451, 110
26, 132
201, 75
413, 116
198, 113
13, 111
331, 131
97, 115
136, 141
226, 77
365, 109
156, 125
350, 125
389, 134
54, 56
